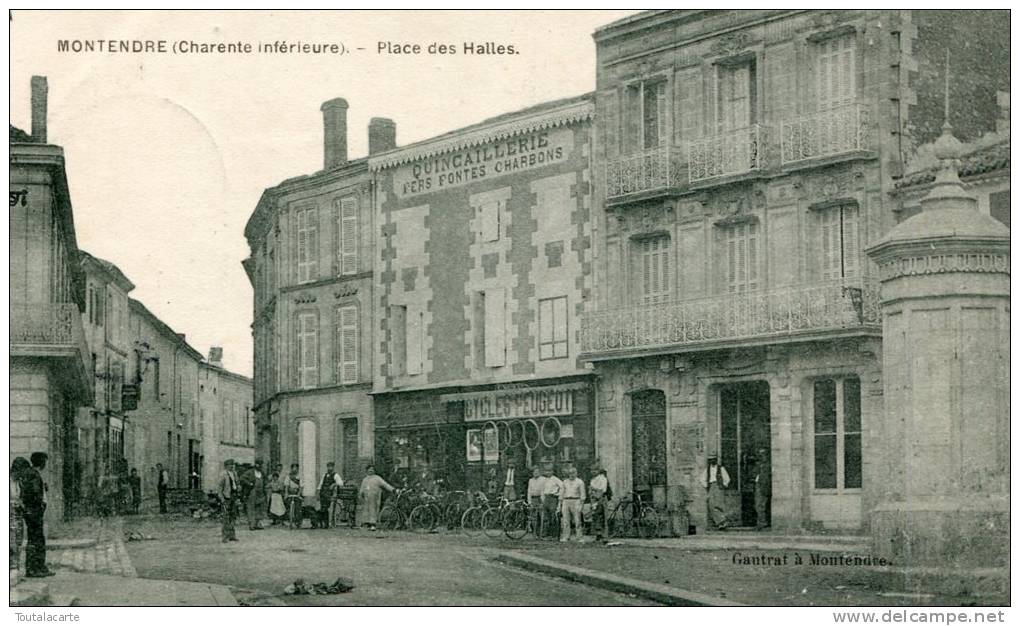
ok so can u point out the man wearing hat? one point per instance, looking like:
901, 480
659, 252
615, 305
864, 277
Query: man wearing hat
600, 493
762, 488
714, 475
230, 491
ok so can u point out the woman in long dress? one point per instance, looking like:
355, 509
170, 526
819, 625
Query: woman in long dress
277, 510
370, 496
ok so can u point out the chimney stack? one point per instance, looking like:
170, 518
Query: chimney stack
382, 135
39, 95
334, 122
216, 356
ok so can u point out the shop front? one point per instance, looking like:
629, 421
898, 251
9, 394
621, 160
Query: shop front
464, 438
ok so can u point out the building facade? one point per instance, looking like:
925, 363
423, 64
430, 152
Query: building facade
485, 263
51, 370
228, 422
747, 160
311, 269
102, 425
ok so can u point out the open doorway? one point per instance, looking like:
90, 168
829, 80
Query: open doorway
745, 449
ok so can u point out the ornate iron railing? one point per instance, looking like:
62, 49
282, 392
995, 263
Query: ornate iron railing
735, 152
49, 325
825, 133
650, 170
800, 309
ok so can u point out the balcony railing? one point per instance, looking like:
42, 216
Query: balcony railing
49, 329
650, 170
826, 133
725, 154
731, 319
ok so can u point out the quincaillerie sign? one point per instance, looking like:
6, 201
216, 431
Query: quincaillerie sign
483, 162
517, 404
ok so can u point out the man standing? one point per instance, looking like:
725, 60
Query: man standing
328, 485
714, 475
551, 489
510, 480
571, 498
292, 496
762, 488
601, 493
162, 484
33, 502
230, 489
255, 503
136, 490
536, 485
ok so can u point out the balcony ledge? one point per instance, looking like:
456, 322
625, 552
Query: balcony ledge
827, 160
644, 196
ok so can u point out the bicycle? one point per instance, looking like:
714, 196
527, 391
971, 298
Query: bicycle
631, 517
492, 518
454, 505
471, 520
426, 516
393, 515
519, 519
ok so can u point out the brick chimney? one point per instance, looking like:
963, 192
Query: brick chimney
216, 356
382, 135
39, 95
334, 122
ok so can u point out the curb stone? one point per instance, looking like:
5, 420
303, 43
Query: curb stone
662, 594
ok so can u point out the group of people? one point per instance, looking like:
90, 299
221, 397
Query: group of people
550, 497
119, 491
716, 480
28, 500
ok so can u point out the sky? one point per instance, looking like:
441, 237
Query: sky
167, 154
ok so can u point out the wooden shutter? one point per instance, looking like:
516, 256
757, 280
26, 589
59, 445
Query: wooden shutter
690, 103
851, 242
661, 113
780, 92
611, 123
308, 350
349, 344
742, 257
632, 119
654, 259
349, 236
495, 327
413, 332
836, 77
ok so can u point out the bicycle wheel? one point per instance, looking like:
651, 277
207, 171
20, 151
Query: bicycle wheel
422, 519
648, 522
620, 520
516, 522
390, 518
471, 521
452, 515
492, 523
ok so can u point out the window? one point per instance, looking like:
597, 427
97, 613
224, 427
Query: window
836, 73
689, 104
552, 328
495, 327
653, 266
347, 227
736, 97
307, 248
490, 213
742, 257
306, 449
837, 433
840, 252
646, 116
307, 344
346, 344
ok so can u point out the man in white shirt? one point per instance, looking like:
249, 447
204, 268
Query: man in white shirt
551, 489
600, 494
509, 481
715, 480
536, 484
571, 498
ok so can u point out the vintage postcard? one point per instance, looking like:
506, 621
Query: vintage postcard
511, 308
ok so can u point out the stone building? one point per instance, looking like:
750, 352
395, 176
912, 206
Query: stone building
228, 422
311, 269
51, 370
485, 264
101, 426
746, 160
164, 427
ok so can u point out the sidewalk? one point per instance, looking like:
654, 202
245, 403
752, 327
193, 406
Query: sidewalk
106, 590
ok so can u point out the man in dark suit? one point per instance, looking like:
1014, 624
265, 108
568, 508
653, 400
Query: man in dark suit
33, 500
162, 485
230, 491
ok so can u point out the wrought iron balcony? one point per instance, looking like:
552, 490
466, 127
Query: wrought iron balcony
727, 154
826, 133
648, 171
802, 311
51, 329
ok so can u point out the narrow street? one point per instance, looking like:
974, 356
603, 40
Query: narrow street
387, 568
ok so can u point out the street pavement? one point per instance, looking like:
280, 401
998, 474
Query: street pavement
398, 568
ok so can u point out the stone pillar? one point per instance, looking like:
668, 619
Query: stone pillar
944, 456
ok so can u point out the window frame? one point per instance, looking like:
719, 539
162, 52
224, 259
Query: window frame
553, 319
646, 255
342, 360
840, 435
839, 226
347, 260
300, 338
307, 246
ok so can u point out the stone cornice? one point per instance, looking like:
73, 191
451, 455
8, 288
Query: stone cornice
944, 263
567, 114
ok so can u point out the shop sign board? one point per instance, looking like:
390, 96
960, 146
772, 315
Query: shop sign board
519, 404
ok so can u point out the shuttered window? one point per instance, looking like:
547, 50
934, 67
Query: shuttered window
742, 257
840, 242
348, 236
347, 344
646, 115
415, 335
307, 343
552, 328
837, 434
689, 105
653, 265
736, 97
306, 250
836, 77
780, 82
495, 327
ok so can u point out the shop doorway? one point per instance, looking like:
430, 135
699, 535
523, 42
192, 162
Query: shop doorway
744, 428
648, 445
